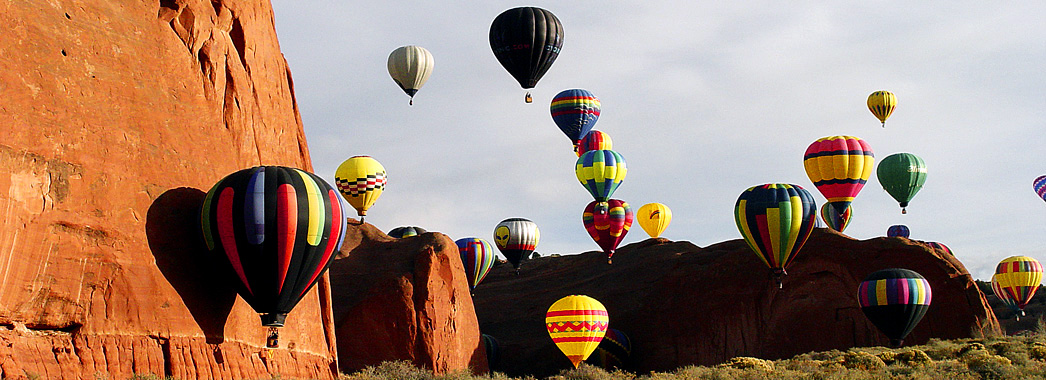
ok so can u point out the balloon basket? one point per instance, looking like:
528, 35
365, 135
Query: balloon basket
273, 340
528, 98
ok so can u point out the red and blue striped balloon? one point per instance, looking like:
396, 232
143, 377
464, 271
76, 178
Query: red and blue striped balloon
277, 229
895, 300
575, 111
478, 257
595, 140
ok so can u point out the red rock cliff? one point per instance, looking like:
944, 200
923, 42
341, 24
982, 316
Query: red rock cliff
681, 304
117, 115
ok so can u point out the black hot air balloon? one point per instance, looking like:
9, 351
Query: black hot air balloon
277, 229
895, 300
526, 40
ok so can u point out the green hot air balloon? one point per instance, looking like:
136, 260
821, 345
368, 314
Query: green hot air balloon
902, 175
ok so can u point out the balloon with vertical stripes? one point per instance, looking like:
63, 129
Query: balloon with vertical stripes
1005, 298
577, 324
894, 300
775, 219
882, 103
1019, 277
478, 257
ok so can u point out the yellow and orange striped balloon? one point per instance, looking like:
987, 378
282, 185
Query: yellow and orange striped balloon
577, 325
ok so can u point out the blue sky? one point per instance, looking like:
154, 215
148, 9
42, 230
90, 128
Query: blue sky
703, 100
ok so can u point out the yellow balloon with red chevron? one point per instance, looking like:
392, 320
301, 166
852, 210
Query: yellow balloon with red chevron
577, 325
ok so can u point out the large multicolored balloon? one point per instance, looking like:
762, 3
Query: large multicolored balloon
608, 223
839, 166
775, 220
517, 238
1040, 186
493, 349
277, 229
594, 140
526, 41
575, 111
577, 325
833, 219
410, 66
898, 230
902, 175
895, 300
478, 257
406, 231
612, 352
361, 179
882, 103
601, 172
1019, 277
1005, 298
654, 218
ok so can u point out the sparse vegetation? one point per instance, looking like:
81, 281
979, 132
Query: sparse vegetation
990, 358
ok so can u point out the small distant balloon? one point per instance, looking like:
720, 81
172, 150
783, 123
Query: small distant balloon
654, 218
410, 67
577, 324
1040, 186
493, 350
595, 140
898, 230
833, 219
882, 103
902, 175
361, 180
613, 351
940, 247
894, 300
406, 231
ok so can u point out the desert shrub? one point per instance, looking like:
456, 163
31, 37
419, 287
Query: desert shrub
863, 361
913, 358
1037, 351
971, 347
591, 372
744, 362
941, 349
989, 366
402, 370
888, 357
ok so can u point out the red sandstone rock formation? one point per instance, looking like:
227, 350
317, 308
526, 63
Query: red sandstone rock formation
681, 304
117, 115
403, 299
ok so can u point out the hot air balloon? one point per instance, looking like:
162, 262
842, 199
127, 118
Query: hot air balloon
601, 172
575, 112
410, 67
898, 230
902, 175
361, 179
594, 140
577, 325
526, 41
1005, 298
406, 231
607, 223
1019, 277
493, 349
835, 220
1040, 186
612, 352
882, 103
277, 228
654, 218
517, 238
478, 257
775, 220
839, 166
940, 247
895, 300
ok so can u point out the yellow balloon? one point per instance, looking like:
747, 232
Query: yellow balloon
654, 218
882, 103
577, 325
1020, 277
361, 180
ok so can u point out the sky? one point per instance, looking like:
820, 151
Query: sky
703, 99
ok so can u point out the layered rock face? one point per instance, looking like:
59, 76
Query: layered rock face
117, 116
681, 304
403, 299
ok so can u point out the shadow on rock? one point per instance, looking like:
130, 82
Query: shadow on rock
173, 229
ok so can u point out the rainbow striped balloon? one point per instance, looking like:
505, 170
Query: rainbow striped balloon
775, 220
478, 257
833, 219
1040, 186
895, 300
575, 111
577, 325
608, 223
594, 140
601, 172
1019, 277
1005, 297
277, 228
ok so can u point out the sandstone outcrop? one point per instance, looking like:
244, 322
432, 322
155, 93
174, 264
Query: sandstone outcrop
117, 115
681, 304
403, 299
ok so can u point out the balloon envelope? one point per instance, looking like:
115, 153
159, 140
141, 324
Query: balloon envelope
526, 40
833, 219
940, 247
902, 175
577, 325
595, 140
654, 218
612, 352
277, 229
410, 67
775, 220
361, 179
493, 349
478, 257
517, 238
608, 223
1004, 296
1040, 186
601, 172
898, 230
575, 111
1019, 277
895, 300
406, 231
882, 103
839, 166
